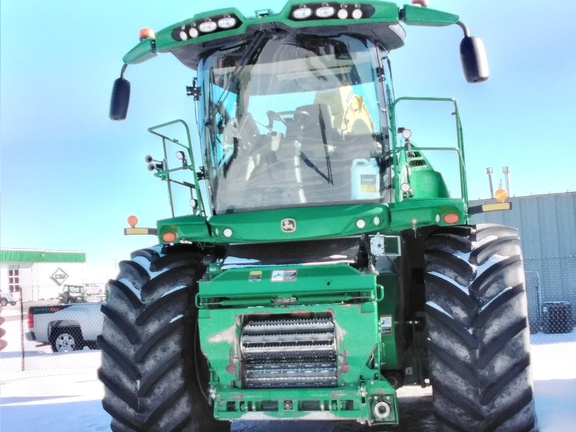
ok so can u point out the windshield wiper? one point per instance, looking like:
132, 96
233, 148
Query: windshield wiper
325, 141
328, 176
252, 52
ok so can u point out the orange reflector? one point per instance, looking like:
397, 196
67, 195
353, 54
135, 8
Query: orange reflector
169, 237
451, 218
146, 33
501, 195
132, 221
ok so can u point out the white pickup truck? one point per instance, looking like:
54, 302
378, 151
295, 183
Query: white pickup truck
66, 327
8, 297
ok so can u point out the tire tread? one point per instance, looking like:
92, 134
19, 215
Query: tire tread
485, 355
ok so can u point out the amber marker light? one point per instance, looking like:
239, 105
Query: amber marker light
146, 33
169, 237
451, 218
501, 195
132, 221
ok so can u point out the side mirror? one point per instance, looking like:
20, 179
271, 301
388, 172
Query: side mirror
120, 99
474, 59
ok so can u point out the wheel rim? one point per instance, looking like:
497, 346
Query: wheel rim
65, 342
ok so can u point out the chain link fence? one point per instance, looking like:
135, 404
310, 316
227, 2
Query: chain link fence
64, 337
551, 291
550, 286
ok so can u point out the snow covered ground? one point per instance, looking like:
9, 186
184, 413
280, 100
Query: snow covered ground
61, 392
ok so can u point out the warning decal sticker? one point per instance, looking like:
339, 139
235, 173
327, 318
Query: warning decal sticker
255, 276
284, 275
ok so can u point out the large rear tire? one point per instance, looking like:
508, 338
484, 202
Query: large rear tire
155, 377
477, 329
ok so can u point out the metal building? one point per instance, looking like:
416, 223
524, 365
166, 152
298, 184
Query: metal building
36, 274
547, 225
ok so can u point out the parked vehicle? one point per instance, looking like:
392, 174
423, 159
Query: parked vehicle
72, 294
65, 327
8, 298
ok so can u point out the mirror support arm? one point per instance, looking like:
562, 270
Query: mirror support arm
464, 28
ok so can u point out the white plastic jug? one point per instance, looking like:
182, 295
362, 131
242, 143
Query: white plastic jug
365, 176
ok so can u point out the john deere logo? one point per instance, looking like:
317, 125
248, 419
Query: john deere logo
288, 225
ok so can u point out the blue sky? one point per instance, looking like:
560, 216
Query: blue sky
70, 177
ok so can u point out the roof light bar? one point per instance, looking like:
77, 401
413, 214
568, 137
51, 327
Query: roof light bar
331, 10
206, 26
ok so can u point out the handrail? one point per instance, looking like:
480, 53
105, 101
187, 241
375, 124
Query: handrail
397, 147
165, 174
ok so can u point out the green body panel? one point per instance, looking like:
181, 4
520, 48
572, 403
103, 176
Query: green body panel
306, 279
387, 311
428, 184
145, 50
312, 223
351, 297
415, 15
349, 402
186, 227
417, 213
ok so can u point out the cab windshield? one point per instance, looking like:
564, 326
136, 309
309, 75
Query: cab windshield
293, 121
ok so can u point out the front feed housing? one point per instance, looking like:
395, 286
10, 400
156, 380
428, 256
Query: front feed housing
312, 329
